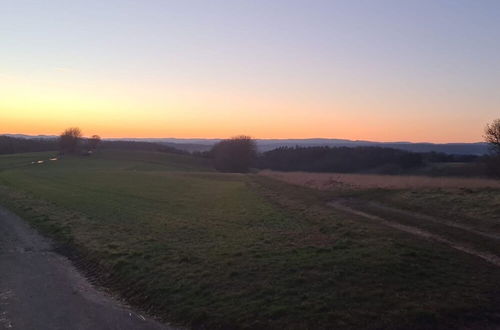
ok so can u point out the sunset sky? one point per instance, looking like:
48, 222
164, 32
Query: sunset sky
372, 70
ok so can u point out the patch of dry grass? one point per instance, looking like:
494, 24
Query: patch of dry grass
329, 181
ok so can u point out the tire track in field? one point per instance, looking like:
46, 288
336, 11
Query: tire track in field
425, 217
489, 257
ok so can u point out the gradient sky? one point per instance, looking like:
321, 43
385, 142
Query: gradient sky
375, 70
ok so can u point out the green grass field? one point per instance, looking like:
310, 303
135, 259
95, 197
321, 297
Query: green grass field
199, 247
479, 207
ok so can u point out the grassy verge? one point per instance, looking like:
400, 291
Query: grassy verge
478, 208
237, 251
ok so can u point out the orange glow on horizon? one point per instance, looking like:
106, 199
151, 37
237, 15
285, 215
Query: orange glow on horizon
137, 129
119, 111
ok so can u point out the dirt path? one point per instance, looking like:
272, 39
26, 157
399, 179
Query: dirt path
346, 207
425, 217
39, 289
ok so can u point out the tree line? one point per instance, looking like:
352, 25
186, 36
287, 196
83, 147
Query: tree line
337, 159
12, 145
72, 142
239, 154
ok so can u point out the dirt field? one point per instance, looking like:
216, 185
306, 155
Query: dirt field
328, 181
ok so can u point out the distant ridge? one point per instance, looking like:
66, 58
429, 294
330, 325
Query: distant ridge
23, 136
478, 148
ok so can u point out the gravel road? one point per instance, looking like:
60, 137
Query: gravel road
40, 289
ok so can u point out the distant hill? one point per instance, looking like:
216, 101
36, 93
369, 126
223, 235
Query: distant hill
24, 136
479, 148
191, 145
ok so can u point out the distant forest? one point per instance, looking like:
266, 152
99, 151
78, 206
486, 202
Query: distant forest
10, 145
134, 145
346, 159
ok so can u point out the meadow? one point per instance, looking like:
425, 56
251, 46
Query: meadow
472, 201
214, 250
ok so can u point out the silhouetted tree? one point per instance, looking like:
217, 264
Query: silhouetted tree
94, 141
234, 155
492, 135
70, 139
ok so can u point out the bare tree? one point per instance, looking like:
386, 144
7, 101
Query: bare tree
94, 141
70, 139
492, 135
234, 155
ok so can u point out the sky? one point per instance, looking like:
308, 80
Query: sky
413, 70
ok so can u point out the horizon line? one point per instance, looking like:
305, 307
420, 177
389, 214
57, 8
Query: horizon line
255, 138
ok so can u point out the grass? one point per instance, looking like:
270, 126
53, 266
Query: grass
9, 162
242, 251
478, 207
472, 202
